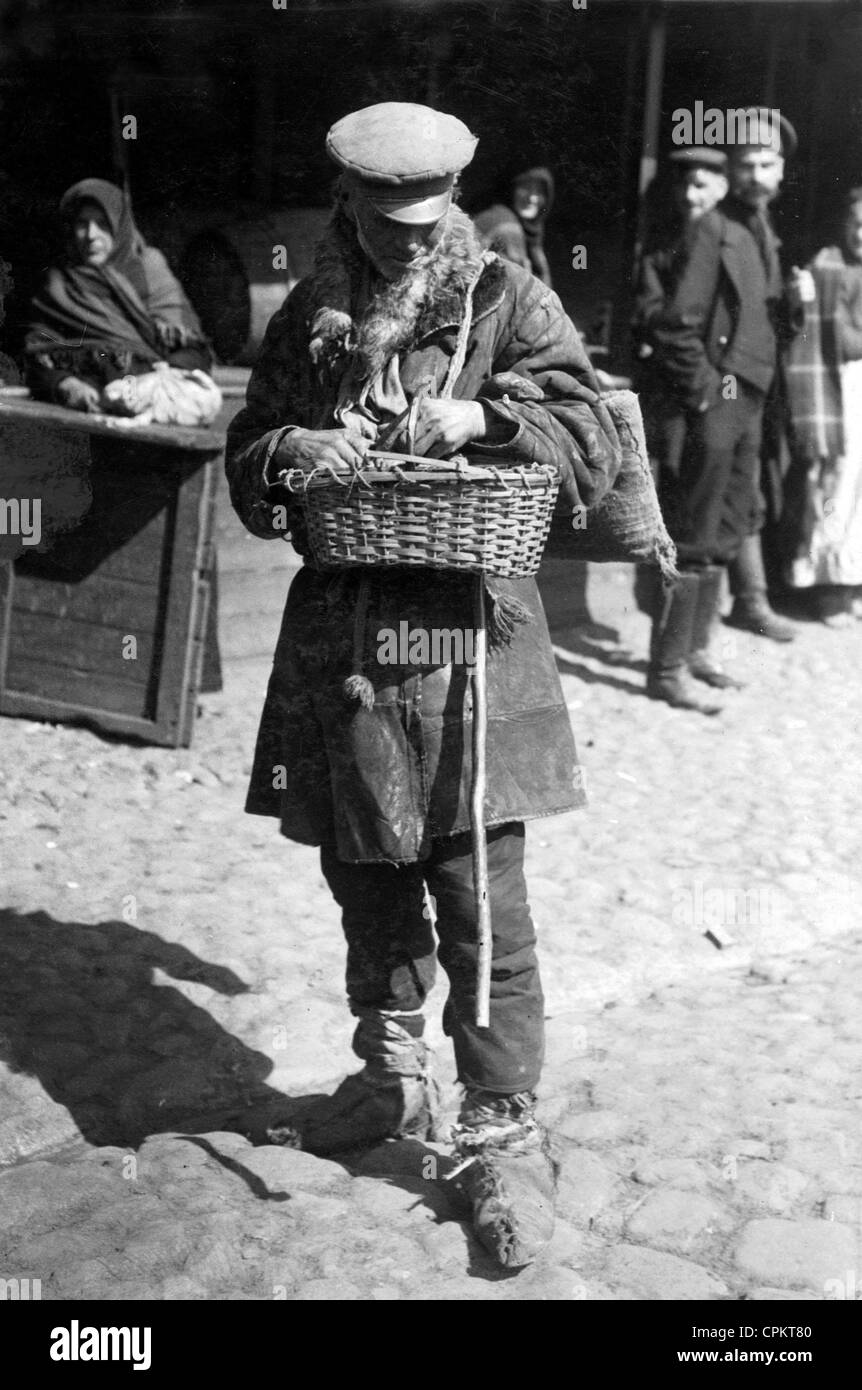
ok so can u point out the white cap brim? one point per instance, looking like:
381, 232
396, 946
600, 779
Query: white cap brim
413, 213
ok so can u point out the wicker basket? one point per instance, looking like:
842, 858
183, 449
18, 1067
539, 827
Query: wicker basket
399, 509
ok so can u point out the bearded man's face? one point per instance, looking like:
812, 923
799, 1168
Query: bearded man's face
755, 174
392, 247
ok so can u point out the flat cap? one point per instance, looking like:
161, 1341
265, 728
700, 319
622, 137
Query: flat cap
699, 156
405, 157
765, 127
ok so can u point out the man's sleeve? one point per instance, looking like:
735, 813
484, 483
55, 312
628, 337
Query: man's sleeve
679, 331
649, 298
278, 391
543, 402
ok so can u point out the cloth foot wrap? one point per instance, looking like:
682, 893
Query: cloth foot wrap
393, 1097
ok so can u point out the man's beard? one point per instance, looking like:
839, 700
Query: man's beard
391, 317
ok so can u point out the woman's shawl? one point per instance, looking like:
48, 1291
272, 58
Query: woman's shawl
80, 306
813, 363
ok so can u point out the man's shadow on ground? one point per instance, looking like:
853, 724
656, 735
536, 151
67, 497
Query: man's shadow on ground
127, 1058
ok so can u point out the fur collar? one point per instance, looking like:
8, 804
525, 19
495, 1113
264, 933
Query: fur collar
400, 314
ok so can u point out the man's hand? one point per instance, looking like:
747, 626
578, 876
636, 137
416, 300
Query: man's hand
444, 427
76, 394
308, 449
801, 288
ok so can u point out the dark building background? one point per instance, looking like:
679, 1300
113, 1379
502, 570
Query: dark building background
232, 103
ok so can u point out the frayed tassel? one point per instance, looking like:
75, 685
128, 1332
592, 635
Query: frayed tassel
505, 611
359, 688
665, 558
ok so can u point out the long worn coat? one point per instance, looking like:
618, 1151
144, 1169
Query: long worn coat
380, 783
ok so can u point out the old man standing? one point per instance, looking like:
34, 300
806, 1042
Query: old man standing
371, 762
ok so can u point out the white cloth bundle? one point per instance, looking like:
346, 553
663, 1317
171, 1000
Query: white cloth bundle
165, 396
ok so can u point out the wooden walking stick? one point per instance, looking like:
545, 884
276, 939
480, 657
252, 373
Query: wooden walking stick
478, 680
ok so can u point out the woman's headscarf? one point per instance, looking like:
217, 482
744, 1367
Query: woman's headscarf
129, 245
534, 227
541, 178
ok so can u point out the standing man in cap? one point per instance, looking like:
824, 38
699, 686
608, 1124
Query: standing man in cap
697, 182
372, 761
757, 172
717, 342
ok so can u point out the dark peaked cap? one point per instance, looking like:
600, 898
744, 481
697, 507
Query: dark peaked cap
765, 123
697, 156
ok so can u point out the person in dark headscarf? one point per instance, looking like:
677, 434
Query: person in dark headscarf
518, 232
112, 309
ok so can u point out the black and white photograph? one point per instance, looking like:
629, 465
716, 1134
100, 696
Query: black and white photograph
431, 667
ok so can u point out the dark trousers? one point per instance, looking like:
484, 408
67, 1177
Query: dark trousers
714, 501
391, 951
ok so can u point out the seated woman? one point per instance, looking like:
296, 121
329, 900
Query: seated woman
111, 310
823, 513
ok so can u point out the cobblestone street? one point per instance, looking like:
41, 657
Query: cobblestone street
171, 972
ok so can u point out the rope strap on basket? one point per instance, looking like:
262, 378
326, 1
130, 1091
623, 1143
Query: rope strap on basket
459, 357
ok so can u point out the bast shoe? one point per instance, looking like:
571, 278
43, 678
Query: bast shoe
506, 1172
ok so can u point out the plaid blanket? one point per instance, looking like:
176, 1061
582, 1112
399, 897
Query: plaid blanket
812, 366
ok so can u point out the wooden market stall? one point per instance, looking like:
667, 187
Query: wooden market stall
103, 619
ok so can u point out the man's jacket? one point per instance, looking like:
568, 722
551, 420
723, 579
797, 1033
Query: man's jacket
722, 318
380, 783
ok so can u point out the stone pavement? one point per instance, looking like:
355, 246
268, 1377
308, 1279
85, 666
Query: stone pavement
170, 972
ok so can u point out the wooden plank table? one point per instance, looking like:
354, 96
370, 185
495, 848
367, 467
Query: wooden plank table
126, 552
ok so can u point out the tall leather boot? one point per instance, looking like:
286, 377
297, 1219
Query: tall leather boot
393, 1097
701, 662
668, 677
751, 610
507, 1173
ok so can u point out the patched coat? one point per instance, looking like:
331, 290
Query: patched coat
381, 783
